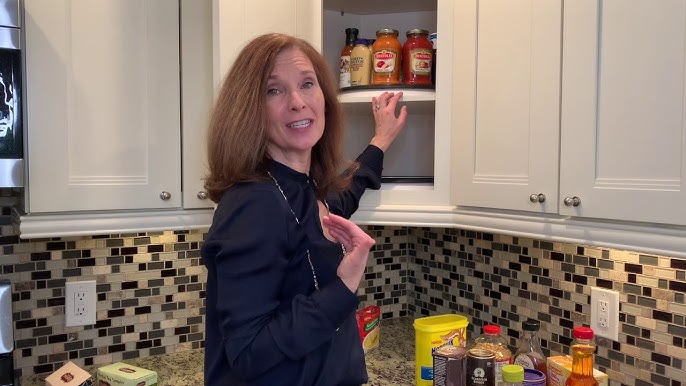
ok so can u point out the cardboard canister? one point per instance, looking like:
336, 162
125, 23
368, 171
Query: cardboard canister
432, 332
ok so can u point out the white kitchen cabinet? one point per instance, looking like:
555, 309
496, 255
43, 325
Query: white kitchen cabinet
102, 101
610, 99
623, 137
423, 149
197, 97
236, 22
113, 89
507, 94
416, 187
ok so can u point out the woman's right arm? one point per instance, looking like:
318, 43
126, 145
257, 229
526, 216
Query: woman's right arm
387, 126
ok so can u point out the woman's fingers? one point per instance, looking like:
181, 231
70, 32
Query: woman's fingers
347, 232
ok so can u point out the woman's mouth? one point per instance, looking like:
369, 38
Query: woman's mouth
299, 124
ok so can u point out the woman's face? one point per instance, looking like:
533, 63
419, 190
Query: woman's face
295, 109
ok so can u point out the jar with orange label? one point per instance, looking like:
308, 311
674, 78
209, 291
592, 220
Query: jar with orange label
417, 57
386, 57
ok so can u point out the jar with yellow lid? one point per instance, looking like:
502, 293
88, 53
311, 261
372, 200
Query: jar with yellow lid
386, 57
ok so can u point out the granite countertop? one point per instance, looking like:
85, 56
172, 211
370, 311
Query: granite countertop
389, 364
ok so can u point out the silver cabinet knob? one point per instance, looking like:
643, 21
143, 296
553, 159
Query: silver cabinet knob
540, 197
572, 201
202, 195
165, 195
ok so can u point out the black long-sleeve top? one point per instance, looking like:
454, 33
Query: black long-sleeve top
265, 323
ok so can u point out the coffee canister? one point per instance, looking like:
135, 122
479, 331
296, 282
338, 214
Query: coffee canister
480, 367
432, 332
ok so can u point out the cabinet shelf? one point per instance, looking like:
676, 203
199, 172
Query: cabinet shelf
409, 95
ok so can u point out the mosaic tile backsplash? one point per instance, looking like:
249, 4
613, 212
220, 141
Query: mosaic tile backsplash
151, 289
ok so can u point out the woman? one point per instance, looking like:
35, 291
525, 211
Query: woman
283, 269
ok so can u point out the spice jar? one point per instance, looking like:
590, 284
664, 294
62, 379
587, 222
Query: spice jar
491, 340
513, 375
417, 57
386, 57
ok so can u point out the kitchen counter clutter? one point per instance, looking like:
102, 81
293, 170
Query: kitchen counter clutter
389, 364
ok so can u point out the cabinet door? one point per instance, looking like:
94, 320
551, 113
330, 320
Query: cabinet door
506, 104
102, 97
623, 151
196, 99
238, 21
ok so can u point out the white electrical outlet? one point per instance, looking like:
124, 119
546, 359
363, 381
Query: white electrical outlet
605, 313
80, 303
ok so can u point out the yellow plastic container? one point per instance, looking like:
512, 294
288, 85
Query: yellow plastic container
432, 332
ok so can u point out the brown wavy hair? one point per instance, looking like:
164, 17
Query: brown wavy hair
237, 136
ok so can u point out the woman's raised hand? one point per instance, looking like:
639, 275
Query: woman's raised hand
357, 245
387, 124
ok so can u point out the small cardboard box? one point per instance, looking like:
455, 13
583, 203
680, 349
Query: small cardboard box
560, 367
368, 324
69, 375
122, 374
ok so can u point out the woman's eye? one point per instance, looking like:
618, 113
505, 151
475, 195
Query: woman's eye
273, 91
308, 84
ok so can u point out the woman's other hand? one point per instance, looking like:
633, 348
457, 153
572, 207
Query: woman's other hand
357, 245
387, 124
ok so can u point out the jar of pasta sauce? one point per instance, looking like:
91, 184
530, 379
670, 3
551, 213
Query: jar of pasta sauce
417, 57
386, 57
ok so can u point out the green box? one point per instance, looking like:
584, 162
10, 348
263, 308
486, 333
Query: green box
122, 374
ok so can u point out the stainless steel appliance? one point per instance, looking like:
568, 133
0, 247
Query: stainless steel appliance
11, 130
6, 334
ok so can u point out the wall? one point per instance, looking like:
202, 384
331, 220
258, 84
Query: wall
150, 290
150, 294
504, 280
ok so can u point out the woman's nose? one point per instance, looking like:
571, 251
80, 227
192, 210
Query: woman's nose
296, 101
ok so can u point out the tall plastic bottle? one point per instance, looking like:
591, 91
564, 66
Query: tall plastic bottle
529, 354
344, 73
491, 340
583, 349
513, 375
361, 64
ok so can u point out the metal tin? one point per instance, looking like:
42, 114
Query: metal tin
480, 368
449, 366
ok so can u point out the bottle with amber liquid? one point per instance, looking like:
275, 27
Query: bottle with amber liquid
583, 349
344, 73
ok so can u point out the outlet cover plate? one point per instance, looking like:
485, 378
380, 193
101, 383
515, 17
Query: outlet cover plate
605, 313
80, 303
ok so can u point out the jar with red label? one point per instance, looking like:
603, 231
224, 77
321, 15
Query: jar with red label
417, 57
386, 57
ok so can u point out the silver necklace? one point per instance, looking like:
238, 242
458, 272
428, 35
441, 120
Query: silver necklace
309, 259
